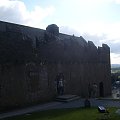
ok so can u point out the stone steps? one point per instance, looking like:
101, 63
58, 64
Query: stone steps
67, 98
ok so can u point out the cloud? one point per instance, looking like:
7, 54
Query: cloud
95, 38
94, 1
113, 43
116, 1
115, 58
107, 33
38, 15
16, 11
95, 30
69, 30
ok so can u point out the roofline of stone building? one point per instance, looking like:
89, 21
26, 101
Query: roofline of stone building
104, 47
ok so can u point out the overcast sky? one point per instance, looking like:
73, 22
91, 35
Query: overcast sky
95, 20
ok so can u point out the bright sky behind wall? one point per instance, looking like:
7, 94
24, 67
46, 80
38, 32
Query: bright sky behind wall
95, 20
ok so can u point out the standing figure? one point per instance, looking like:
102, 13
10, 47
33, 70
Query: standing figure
61, 87
94, 90
60, 84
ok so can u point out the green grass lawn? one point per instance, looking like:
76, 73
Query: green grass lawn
68, 114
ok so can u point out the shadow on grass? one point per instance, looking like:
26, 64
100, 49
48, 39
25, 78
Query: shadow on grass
66, 114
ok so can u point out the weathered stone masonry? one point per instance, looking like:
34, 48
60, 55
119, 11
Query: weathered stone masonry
30, 59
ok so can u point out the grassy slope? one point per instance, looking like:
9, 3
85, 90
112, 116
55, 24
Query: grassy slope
67, 114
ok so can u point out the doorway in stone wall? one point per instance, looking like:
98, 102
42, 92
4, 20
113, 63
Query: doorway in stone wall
101, 89
60, 84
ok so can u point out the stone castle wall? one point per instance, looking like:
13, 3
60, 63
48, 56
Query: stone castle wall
31, 58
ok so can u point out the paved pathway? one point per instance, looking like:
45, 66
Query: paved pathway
59, 105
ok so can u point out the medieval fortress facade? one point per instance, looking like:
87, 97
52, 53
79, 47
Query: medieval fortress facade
31, 59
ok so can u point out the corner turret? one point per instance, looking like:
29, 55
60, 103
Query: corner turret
53, 29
